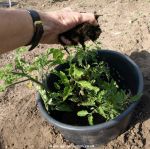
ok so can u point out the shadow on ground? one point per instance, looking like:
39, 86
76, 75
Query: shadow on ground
142, 111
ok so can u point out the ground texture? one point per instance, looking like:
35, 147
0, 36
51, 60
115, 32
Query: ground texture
126, 28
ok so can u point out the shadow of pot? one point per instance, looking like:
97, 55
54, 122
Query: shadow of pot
102, 133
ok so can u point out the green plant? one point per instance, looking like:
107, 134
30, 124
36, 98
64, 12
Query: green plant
85, 82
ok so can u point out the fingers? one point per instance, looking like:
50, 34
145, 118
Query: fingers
89, 17
58, 22
82, 17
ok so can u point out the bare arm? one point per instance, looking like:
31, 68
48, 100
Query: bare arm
16, 26
16, 29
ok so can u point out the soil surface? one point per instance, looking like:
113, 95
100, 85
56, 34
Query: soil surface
125, 27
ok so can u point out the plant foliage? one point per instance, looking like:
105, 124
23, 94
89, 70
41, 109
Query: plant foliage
85, 83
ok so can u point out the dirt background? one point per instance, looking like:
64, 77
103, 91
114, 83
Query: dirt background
126, 28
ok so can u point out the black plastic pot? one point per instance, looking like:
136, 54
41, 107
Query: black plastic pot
104, 132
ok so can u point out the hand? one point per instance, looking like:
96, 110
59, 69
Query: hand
58, 22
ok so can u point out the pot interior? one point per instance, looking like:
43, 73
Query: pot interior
123, 70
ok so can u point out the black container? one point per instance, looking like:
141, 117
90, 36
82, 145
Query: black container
104, 132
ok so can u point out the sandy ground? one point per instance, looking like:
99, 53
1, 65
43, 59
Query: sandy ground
126, 28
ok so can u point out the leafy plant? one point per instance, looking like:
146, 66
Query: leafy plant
84, 85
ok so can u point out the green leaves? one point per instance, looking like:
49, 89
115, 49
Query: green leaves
40, 62
62, 77
101, 111
90, 101
56, 53
20, 51
67, 92
90, 120
76, 72
88, 85
7, 77
82, 113
85, 86
57, 56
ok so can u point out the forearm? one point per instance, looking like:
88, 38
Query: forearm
16, 26
16, 29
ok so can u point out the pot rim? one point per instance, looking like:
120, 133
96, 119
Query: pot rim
104, 125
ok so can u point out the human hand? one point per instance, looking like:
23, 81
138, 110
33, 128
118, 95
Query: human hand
57, 22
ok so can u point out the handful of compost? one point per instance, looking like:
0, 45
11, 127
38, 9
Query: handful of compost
80, 34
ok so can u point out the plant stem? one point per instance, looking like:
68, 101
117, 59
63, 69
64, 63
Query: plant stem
18, 82
30, 78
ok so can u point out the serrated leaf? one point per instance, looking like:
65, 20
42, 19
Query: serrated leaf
63, 77
67, 92
101, 111
90, 120
101, 95
82, 113
42, 93
56, 53
89, 102
7, 76
88, 85
75, 72
41, 61
78, 72
120, 97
